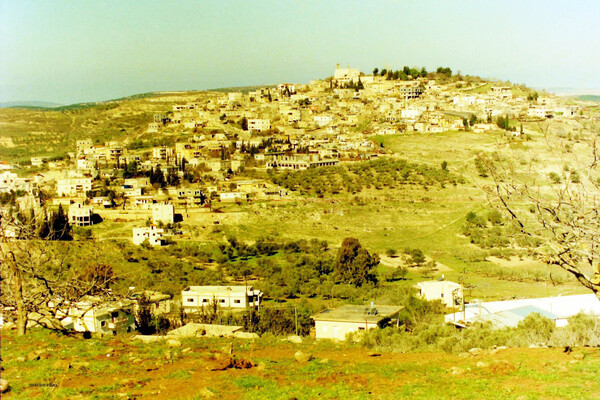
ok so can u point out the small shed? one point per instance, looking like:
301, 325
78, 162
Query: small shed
336, 324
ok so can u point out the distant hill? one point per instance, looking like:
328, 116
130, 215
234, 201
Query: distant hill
589, 97
29, 104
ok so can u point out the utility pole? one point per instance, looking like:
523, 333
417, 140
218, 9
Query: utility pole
296, 319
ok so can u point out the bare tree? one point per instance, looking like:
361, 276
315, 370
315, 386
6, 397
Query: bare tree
42, 278
562, 218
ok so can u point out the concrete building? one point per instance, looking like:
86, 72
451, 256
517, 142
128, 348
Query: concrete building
80, 215
194, 298
258, 125
511, 312
151, 233
164, 213
336, 324
84, 146
449, 293
73, 186
346, 75
104, 319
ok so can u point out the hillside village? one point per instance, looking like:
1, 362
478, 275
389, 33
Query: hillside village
219, 143
224, 148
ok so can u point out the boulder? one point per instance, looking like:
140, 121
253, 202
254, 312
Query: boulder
245, 335
4, 385
481, 364
295, 339
33, 356
456, 371
303, 357
8, 326
476, 351
173, 343
148, 338
61, 364
220, 362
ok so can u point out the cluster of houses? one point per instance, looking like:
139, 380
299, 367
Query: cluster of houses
109, 318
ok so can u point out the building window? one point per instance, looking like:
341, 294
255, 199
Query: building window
114, 314
221, 300
237, 301
205, 300
190, 300
102, 323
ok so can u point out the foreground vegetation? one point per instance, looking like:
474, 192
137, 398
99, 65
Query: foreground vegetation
47, 366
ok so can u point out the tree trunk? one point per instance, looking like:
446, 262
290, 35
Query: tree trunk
21, 311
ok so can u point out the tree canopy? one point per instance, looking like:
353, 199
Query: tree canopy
354, 264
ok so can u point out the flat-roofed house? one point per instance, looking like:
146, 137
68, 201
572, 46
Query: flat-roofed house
164, 213
449, 293
107, 318
73, 186
336, 324
151, 233
258, 125
194, 298
80, 215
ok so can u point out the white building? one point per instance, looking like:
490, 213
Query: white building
233, 196
336, 324
346, 75
109, 318
84, 146
511, 312
194, 298
151, 233
449, 293
73, 186
258, 124
323, 120
164, 213
80, 215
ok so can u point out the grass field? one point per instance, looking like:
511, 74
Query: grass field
72, 368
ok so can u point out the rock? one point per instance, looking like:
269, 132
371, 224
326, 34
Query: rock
579, 356
186, 350
136, 360
303, 357
80, 364
61, 364
4, 385
227, 349
245, 335
241, 363
32, 356
295, 339
43, 355
128, 382
481, 364
205, 393
110, 350
476, 351
261, 366
148, 338
21, 359
464, 355
456, 371
324, 361
8, 326
220, 363
173, 343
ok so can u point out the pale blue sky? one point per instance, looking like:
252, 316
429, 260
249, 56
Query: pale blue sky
72, 51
